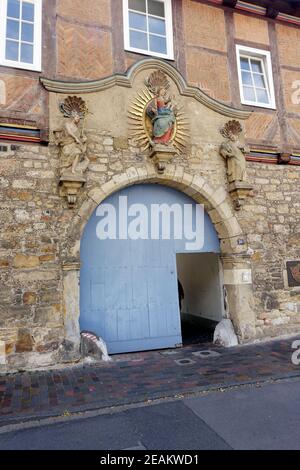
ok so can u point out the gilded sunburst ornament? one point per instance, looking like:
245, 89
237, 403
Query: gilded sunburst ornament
155, 118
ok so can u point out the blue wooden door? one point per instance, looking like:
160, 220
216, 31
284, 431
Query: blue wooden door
128, 287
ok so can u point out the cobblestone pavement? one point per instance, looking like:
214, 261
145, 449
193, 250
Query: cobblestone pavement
140, 377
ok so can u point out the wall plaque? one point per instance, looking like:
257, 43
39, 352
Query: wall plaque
293, 273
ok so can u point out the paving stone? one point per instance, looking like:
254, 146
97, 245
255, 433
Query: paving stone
43, 393
185, 362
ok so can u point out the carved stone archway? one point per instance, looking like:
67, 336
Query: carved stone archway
235, 261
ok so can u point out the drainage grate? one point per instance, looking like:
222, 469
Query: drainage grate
206, 354
168, 353
185, 362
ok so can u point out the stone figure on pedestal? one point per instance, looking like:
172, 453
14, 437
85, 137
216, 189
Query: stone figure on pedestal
161, 109
71, 138
72, 142
233, 153
158, 124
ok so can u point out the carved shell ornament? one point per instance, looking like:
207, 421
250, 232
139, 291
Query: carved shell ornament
231, 130
143, 113
156, 81
74, 105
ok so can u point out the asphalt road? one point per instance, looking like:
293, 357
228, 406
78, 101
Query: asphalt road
266, 417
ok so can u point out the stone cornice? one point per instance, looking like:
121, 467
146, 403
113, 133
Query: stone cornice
126, 80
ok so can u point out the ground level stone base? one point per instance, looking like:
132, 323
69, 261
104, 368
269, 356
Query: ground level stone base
225, 335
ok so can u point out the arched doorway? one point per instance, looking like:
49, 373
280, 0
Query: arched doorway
129, 282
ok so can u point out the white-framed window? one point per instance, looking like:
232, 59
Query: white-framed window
21, 33
255, 77
148, 27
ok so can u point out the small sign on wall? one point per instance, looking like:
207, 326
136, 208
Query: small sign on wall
293, 273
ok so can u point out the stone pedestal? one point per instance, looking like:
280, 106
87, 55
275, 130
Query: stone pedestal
224, 334
237, 280
239, 191
70, 349
284, 158
70, 185
161, 155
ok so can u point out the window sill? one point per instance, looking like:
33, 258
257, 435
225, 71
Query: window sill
14, 65
259, 105
149, 53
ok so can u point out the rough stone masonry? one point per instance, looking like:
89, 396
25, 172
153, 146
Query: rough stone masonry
36, 223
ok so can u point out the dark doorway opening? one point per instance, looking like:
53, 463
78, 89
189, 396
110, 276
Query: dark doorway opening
197, 330
200, 296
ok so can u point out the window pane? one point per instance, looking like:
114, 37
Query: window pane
137, 21
27, 53
27, 32
12, 29
259, 80
156, 8
139, 5
245, 64
158, 44
13, 8
256, 66
138, 40
12, 50
157, 26
28, 11
249, 94
262, 96
246, 78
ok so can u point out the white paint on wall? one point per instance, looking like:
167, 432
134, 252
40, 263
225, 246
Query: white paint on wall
199, 275
2, 92
237, 276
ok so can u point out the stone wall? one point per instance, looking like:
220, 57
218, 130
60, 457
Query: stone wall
271, 220
35, 223
30, 296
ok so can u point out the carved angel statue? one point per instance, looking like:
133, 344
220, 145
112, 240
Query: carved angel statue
161, 110
71, 138
233, 153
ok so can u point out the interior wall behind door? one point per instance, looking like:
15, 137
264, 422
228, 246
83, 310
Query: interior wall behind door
199, 274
